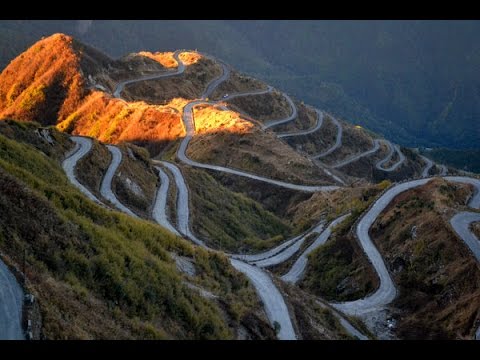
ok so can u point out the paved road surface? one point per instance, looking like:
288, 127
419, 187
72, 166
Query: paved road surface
190, 130
317, 126
273, 301
183, 205
297, 270
386, 291
216, 82
344, 322
338, 140
269, 89
288, 252
159, 212
461, 224
106, 186
293, 115
180, 69
427, 167
393, 149
399, 162
443, 170
376, 146
82, 147
11, 302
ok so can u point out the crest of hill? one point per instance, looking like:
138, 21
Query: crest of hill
47, 82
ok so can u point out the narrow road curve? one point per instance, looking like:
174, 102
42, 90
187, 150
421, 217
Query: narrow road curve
266, 254
106, 186
11, 304
272, 299
180, 69
216, 82
461, 224
393, 149
82, 147
297, 270
189, 124
269, 89
293, 115
379, 165
338, 140
443, 170
344, 322
376, 146
316, 127
159, 212
399, 162
427, 167
288, 252
183, 206
387, 291
190, 130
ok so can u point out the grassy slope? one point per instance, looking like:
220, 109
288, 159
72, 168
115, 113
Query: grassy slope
190, 85
101, 274
231, 220
339, 270
437, 275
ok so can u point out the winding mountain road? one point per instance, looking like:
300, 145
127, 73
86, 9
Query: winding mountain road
427, 167
316, 127
376, 146
338, 140
289, 251
392, 149
180, 69
293, 115
387, 291
297, 270
183, 205
443, 170
106, 185
379, 164
273, 301
159, 212
461, 224
11, 305
82, 147
269, 89
189, 124
216, 82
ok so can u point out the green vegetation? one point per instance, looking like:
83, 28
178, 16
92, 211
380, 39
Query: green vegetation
107, 261
338, 270
231, 220
468, 160
336, 273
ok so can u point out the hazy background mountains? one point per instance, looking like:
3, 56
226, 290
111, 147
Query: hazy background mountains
416, 82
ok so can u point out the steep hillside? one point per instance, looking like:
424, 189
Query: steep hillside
437, 275
258, 181
102, 274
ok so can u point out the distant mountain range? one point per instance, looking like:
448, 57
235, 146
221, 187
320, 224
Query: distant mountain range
339, 232
416, 82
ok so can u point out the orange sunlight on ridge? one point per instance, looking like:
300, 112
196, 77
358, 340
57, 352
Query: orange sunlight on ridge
167, 60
